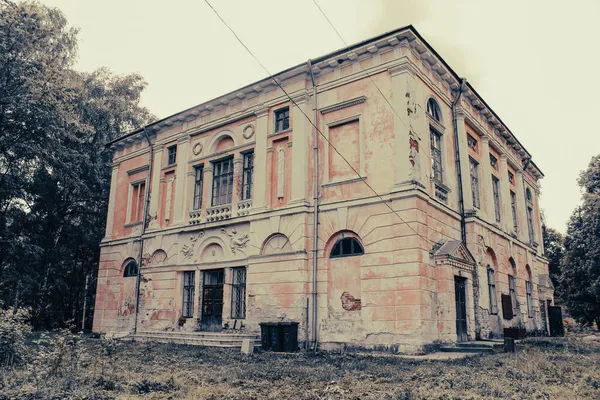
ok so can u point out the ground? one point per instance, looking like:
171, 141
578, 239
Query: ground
542, 369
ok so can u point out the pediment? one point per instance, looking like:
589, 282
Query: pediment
456, 251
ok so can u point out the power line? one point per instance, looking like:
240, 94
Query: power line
309, 120
363, 70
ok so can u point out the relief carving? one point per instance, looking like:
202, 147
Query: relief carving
197, 149
413, 156
188, 249
236, 243
248, 131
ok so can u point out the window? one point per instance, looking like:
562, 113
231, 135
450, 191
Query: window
511, 178
222, 182
474, 182
511, 291
472, 143
496, 191
198, 182
530, 214
436, 155
494, 162
238, 294
347, 247
433, 109
136, 203
529, 291
513, 206
492, 291
130, 270
247, 172
188, 294
282, 119
171, 155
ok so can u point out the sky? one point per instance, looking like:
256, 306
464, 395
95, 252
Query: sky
534, 62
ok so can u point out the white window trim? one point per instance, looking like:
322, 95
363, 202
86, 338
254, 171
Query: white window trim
129, 198
361, 169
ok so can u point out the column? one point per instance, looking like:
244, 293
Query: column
464, 162
260, 162
301, 132
207, 188
238, 163
111, 201
538, 222
197, 297
505, 207
487, 192
521, 208
180, 184
402, 84
155, 187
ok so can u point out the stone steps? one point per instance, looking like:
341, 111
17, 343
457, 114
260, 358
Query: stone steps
209, 339
480, 347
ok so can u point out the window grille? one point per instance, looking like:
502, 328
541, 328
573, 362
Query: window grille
131, 269
475, 183
436, 155
247, 173
347, 247
198, 183
496, 191
222, 182
282, 119
188, 294
492, 291
238, 294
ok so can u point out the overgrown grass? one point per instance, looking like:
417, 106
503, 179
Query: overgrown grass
543, 369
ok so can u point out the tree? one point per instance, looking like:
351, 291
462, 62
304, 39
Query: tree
580, 275
54, 165
555, 251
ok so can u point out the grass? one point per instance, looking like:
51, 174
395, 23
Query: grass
542, 369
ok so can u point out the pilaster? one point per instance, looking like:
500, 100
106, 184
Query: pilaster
486, 181
207, 189
154, 188
260, 161
521, 208
236, 191
464, 163
505, 206
300, 136
111, 201
181, 181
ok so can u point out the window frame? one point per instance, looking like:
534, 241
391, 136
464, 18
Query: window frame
530, 218
474, 175
496, 194
339, 244
285, 120
127, 271
247, 175
238, 292
198, 187
189, 288
437, 166
218, 179
512, 283
529, 297
172, 154
137, 206
434, 110
492, 290
513, 205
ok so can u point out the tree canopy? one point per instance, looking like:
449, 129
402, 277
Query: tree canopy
55, 168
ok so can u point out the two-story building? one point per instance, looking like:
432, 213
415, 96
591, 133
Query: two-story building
408, 216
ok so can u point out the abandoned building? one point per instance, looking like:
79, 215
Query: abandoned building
410, 216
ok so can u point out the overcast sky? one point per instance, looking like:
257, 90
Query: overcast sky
535, 62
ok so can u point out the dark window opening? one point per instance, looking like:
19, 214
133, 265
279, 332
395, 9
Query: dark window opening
493, 162
436, 155
474, 171
347, 247
137, 201
513, 205
171, 155
247, 172
131, 269
529, 290
496, 191
198, 183
511, 291
282, 119
188, 294
238, 293
433, 109
492, 291
222, 182
472, 143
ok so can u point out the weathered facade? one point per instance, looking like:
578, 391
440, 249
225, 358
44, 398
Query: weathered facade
428, 217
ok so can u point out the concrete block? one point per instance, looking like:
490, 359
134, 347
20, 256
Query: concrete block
247, 346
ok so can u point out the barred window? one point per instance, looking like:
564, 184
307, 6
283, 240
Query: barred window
282, 119
474, 171
492, 291
347, 247
131, 269
513, 205
529, 290
436, 155
188, 294
511, 291
198, 182
238, 293
171, 154
496, 191
247, 173
222, 182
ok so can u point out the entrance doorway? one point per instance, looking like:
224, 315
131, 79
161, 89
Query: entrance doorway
460, 287
212, 300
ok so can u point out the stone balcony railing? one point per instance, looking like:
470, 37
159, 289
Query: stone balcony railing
218, 213
195, 217
244, 207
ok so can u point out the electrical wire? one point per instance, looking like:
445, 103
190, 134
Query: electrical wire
313, 124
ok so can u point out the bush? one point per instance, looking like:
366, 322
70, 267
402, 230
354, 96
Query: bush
14, 327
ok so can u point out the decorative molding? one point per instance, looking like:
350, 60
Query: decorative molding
197, 149
236, 243
343, 104
248, 131
188, 249
138, 169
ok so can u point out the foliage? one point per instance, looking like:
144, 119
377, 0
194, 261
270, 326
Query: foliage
580, 276
556, 368
555, 252
55, 168
14, 326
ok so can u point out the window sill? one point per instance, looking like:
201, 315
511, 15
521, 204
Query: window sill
132, 224
168, 167
288, 130
344, 181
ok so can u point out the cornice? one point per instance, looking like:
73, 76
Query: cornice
343, 104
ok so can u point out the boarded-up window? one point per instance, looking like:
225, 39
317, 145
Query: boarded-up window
507, 310
345, 138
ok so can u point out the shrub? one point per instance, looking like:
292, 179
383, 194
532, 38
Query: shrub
14, 327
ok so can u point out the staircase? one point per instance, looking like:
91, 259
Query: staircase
210, 339
476, 347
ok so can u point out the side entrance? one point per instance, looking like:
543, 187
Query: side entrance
460, 285
212, 300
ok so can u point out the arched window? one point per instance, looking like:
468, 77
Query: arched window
347, 247
492, 290
433, 109
131, 269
